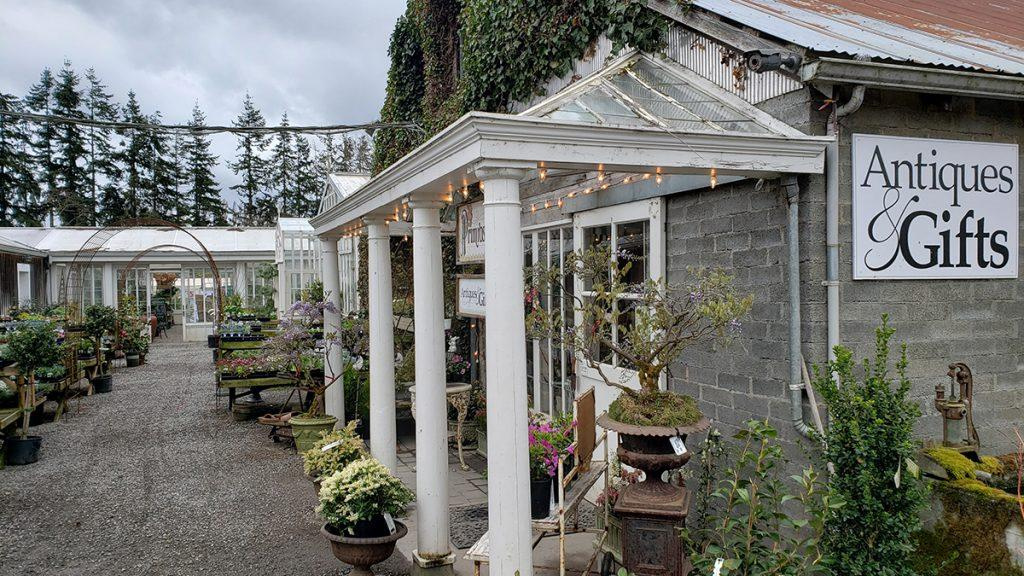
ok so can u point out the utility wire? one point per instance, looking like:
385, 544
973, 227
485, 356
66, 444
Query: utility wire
186, 129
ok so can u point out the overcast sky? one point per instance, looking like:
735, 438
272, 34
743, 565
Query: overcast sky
322, 61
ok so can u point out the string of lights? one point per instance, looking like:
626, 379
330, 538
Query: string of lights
187, 129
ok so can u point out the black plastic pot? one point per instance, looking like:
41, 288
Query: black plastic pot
132, 359
103, 384
540, 498
19, 451
211, 340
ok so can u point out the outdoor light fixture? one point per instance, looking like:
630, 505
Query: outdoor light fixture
714, 178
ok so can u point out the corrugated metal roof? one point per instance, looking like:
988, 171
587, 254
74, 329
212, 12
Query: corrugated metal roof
985, 35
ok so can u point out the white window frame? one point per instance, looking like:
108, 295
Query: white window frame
27, 270
653, 211
532, 236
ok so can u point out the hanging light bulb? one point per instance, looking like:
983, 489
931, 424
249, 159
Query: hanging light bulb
647, 176
533, 207
559, 202
658, 179
714, 178
547, 204
625, 180
600, 176
543, 173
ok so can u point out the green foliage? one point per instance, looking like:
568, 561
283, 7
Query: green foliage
313, 292
656, 408
956, 464
754, 527
345, 446
361, 491
869, 442
504, 51
233, 305
34, 345
99, 320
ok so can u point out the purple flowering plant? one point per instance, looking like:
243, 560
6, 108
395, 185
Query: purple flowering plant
549, 441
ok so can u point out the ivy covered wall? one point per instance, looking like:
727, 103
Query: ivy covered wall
449, 57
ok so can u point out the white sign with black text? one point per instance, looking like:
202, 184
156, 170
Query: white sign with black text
470, 298
469, 233
934, 209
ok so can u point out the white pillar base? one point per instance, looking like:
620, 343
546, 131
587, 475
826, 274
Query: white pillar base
443, 566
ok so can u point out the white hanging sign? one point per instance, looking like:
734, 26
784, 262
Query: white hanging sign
934, 209
469, 233
470, 298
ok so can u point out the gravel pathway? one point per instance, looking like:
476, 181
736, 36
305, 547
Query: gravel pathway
156, 478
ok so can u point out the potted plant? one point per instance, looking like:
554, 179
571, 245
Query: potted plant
99, 321
32, 346
248, 367
550, 441
358, 504
642, 327
332, 453
293, 341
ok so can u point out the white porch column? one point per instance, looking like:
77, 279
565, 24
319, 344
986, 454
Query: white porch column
334, 397
383, 437
508, 469
241, 281
433, 551
109, 283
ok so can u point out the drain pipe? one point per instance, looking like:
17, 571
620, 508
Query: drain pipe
832, 216
792, 189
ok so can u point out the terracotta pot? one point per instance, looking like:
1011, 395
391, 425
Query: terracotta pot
362, 553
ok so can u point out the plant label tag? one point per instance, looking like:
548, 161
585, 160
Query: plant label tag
718, 566
330, 446
390, 522
677, 445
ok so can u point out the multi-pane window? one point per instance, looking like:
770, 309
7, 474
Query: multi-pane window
200, 294
634, 232
549, 361
259, 289
136, 284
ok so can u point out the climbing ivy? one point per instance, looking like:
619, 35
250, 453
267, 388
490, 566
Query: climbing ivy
449, 57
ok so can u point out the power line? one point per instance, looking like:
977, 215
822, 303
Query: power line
186, 129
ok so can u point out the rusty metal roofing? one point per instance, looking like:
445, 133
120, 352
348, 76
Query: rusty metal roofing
986, 35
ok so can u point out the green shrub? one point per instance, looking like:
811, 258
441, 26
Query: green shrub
33, 346
361, 491
869, 442
751, 527
345, 446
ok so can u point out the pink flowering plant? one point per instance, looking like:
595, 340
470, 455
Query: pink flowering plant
458, 367
549, 441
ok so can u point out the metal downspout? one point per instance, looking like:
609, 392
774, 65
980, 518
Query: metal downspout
832, 216
792, 188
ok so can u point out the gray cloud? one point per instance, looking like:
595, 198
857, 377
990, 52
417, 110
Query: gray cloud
322, 61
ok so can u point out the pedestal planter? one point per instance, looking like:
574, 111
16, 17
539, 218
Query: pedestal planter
103, 384
132, 359
307, 430
540, 498
653, 511
362, 553
20, 451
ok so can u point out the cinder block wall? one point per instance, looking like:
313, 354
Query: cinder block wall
743, 229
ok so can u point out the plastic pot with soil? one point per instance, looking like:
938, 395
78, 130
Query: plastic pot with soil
103, 383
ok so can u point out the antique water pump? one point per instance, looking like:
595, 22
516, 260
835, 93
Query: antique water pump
958, 430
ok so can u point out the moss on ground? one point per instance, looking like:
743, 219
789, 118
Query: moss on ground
658, 408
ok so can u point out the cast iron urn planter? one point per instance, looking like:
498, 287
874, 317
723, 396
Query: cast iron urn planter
652, 511
363, 552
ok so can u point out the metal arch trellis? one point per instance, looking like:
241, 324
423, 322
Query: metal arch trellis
122, 278
71, 283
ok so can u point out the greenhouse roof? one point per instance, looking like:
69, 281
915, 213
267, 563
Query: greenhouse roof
341, 185
638, 90
132, 240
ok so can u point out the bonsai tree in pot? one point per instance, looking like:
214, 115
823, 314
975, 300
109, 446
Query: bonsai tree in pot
358, 504
632, 331
293, 341
33, 346
99, 321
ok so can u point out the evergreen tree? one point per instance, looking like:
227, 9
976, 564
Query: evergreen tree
307, 180
327, 157
207, 208
251, 167
347, 158
283, 172
39, 100
163, 198
363, 161
104, 173
72, 202
19, 193
133, 156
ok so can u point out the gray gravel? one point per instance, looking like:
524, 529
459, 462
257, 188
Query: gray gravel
156, 478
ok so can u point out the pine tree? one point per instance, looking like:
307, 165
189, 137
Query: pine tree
363, 161
39, 100
206, 206
72, 202
18, 189
282, 172
307, 180
251, 167
347, 162
104, 173
133, 156
162, 199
